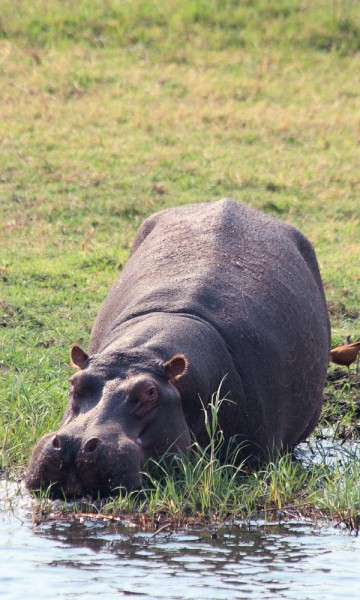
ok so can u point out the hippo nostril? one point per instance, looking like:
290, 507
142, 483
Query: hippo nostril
56, 443
91, 444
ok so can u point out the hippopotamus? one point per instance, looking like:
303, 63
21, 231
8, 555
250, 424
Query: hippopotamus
212, 293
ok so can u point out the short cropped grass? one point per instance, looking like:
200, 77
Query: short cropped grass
110, 111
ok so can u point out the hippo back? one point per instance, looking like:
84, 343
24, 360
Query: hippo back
256, 281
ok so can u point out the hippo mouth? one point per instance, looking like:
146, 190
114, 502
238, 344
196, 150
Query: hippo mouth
96, 470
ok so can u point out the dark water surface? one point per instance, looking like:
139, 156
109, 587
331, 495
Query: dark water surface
87, 560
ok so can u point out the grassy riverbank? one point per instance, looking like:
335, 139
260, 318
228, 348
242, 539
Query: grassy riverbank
320, 481
113, 110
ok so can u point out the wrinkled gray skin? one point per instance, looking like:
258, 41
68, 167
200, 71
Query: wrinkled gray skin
209, 290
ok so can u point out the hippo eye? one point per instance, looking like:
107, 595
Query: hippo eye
149, 395
146, 398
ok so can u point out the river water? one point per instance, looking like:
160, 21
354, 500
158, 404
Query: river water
294, 560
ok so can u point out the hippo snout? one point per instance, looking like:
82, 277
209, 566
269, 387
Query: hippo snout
61, 464
89, 447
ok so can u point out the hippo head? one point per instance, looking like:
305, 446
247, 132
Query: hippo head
121, 411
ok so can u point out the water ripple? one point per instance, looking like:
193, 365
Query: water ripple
289, 561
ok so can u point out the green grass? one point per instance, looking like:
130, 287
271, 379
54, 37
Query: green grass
113, 110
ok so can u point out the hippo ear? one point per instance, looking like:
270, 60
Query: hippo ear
78, 357
176, 367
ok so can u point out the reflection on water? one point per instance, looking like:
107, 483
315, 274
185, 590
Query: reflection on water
293, 561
